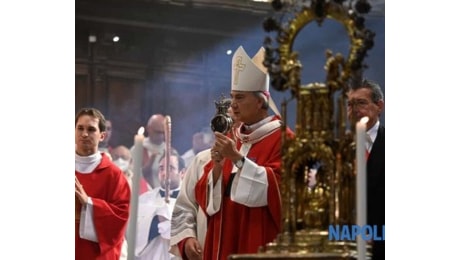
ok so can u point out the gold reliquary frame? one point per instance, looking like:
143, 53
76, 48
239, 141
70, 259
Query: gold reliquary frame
319, 138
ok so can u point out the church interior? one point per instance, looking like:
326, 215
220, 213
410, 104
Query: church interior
134, 58
171, 57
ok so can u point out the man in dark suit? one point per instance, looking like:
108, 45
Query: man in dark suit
366, 99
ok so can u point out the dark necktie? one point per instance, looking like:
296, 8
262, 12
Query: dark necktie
173, 195
368, 145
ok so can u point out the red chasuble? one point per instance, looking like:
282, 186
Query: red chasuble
110, 193
236, 228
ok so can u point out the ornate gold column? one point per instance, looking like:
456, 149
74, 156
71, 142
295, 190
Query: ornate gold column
318, 171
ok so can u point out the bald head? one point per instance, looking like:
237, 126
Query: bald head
155, 129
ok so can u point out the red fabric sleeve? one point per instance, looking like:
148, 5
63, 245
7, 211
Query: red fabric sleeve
111, 216
181, 246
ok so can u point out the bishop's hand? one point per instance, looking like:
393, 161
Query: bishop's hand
192, 249
225, 146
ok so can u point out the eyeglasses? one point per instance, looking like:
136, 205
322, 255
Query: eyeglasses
359, 103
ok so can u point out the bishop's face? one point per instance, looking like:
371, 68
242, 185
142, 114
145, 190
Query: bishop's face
246, 107
87, 135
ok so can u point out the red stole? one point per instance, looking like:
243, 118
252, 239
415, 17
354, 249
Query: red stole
235, 228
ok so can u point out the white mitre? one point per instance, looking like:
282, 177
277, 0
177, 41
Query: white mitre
249, 74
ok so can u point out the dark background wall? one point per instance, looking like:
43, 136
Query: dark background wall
172, 59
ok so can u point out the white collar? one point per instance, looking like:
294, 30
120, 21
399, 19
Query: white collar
373, 131
261, 132
254, 126
86, 164
170, 191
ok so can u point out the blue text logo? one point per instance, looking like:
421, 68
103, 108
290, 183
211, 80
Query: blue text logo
349, 232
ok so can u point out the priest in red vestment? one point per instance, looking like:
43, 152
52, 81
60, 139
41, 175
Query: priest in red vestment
231, 203
102, 193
